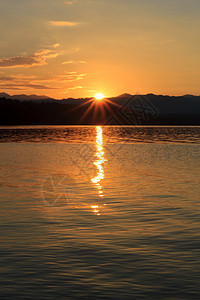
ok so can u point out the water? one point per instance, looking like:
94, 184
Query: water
100, 213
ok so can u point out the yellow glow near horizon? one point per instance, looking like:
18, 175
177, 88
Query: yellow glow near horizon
99, 96
47, 64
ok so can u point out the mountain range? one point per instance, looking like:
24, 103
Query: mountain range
23, 97
125, 109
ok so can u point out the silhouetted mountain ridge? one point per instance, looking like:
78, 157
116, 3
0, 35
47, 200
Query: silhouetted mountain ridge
23, 97
125, 109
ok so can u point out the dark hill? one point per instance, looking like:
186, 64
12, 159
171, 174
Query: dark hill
123, 110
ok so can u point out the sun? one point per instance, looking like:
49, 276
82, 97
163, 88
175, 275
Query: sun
99, 96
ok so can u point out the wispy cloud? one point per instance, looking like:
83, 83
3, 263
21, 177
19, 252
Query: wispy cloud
21, 82
75, 88
64, 23
69, 2
11, 87
17, 78
40, 87
24, 86
71, 76
74, 62
56, 45
30, 82
6, 78
37, 59
20, 61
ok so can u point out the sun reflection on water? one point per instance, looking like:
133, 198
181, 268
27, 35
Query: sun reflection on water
99, 164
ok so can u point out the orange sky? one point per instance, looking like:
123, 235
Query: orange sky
78, 48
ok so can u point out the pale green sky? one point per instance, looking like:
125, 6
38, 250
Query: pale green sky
77, 48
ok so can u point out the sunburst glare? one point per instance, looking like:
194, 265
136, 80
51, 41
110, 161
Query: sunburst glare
99, 96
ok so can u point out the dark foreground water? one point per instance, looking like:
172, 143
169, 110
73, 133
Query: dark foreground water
100, 213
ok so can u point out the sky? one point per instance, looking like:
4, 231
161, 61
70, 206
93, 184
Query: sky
77, 48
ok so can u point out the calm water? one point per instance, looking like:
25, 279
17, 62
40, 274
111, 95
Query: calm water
100, 213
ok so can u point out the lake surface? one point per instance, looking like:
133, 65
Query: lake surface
99, 212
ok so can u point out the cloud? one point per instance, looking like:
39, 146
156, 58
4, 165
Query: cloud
56, 45
21, 81
64, 23
69, 2
26, 82
20, 61
20, 78
75, 88
11, 87
74, 62
40, 87
22, 86
37, 59
71, 76
6, 78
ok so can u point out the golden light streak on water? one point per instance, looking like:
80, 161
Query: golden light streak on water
99, 164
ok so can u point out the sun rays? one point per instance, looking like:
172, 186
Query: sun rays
97, 111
